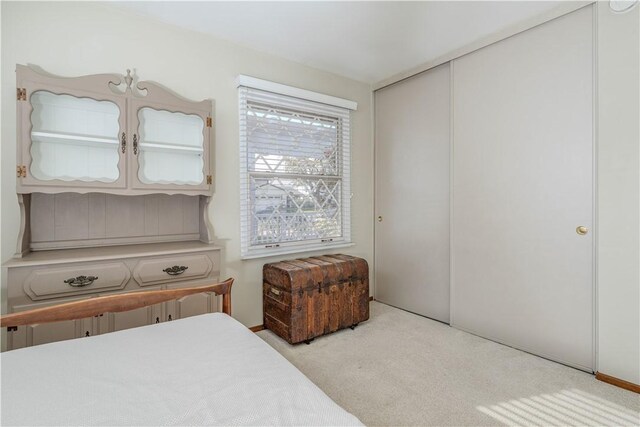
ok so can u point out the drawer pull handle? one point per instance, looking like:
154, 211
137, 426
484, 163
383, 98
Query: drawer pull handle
275, 291
175, 270
81, 281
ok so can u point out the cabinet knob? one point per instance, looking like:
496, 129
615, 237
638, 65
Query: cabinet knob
175, 270
379, 218
582, 230
81, 281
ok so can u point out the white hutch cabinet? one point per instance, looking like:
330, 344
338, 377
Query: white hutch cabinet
113, 183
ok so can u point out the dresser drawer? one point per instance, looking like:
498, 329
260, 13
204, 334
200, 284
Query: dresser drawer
75, 279
154, 271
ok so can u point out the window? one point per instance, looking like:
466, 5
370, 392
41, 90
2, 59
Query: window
294, 166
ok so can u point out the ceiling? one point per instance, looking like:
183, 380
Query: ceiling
363, 40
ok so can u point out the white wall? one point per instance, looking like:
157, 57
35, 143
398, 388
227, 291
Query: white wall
618, 229
73, 39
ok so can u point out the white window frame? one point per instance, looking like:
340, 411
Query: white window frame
290, 97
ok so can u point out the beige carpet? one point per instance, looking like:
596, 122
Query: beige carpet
402, 369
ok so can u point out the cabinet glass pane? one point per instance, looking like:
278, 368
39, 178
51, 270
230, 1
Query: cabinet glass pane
74, 138
171, 147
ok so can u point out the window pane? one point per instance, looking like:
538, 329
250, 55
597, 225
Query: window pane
171, 147
294, 173
283, 141
74, 138
294, 209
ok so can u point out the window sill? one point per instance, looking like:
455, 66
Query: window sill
266, 253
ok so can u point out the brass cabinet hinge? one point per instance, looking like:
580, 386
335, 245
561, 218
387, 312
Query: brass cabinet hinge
209, 179
21, 171
21, 94
209, 122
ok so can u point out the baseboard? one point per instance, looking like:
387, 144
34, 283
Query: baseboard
618, 382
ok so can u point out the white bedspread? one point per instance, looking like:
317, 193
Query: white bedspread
203, 370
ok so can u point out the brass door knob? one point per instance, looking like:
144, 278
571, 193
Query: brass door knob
582, 230
379, 218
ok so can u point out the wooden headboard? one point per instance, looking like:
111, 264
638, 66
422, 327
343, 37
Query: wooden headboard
113, 304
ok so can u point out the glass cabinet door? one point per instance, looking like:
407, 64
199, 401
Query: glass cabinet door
74, 139
171, 147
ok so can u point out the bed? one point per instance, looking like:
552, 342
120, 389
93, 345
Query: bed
202, 370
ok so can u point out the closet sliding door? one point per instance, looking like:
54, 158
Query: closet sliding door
522, 268
412, 194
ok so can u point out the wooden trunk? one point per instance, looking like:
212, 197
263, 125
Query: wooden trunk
309, 297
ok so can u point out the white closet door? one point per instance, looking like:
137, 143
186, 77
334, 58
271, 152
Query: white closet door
412, 194
522, 183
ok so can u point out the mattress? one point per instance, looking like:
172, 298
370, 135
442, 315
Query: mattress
202, 370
